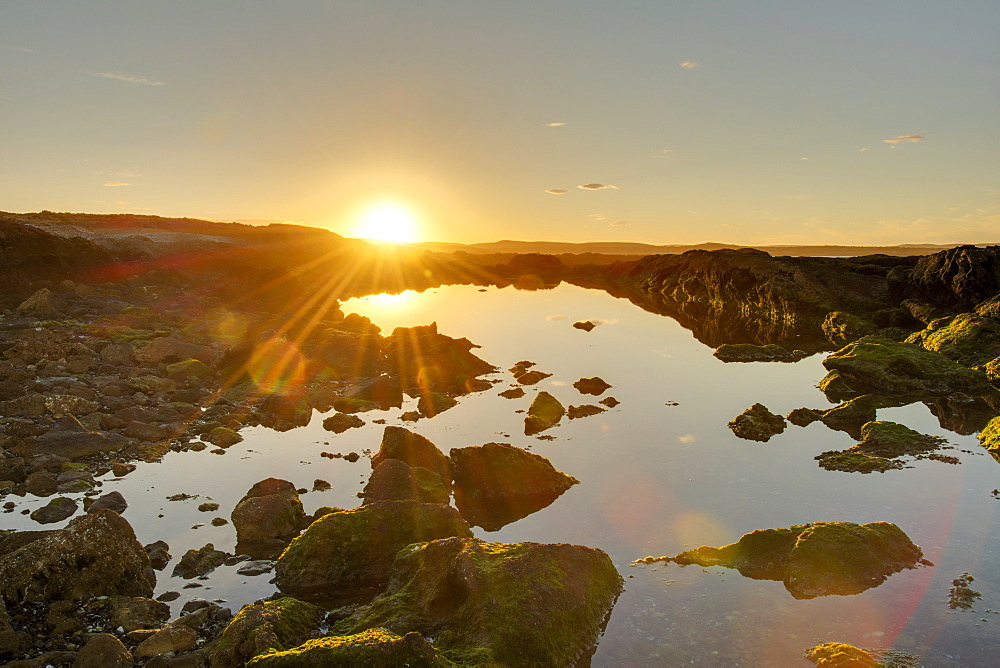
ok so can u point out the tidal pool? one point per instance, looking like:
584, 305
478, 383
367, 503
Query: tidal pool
660, 473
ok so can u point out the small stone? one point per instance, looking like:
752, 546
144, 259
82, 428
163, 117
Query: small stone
55, 510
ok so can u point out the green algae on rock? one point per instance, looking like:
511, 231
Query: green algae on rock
841, 327
882, 443
969, 339
374, 648
852, 461
989, 438
851, 415
961, 596
413, 449
345, 556
263, 627
816, 559
748, 352
545, 412
757, 423
524, 604
880, 366
841, 655
395, 480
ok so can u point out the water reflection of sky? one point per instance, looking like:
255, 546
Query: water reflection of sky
655, 479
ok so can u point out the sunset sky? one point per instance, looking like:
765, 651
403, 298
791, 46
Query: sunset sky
785, 121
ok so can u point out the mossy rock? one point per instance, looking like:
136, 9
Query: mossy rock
841, 327
817, 559
840, 655
757, 423
522, 604
989, 438
375, 648
890, 439
803, 417
395, 480
852, 461
883, 367
851, 415
432, 403
415, 450
264, 627
351, 405
545, 412
223, 437
969, 339
345, 556
341, 422
748, 352
189, 368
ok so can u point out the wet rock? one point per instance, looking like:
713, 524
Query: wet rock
69, 439
159, 554
595, 386
55, 510
497, 483
757, 423
146, 431
43, 302
118, 354
132, 612
354, 405
854, 461
341, 422
320, 485
170, 349
168, 639
421, 357
189, 369
969, 339
989, 438
513, 393
432, 403
841, 655
209, 507
482, 612
383, 391
285, 410
890, 439
375, 647
110, 501
94, 555
586, 410
264, 627
103, 650
817, 559
41, 483
545, 412
961, 596
840, 327
255, 568
199, 562
223, 437
68, 404
585, 325
271, 509
880, 366
532, 377
803, 417
960, 413
394, 480
748, 352
413, 449
851, 415
610, 402
346, 555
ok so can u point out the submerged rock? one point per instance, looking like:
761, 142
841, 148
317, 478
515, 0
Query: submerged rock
223, 437
545, 412
432, 403
840, 655
497, 483
413, 449
586, 410
817, 559
595, 386
748, 352
853, 461
585, 325
757, 423
497, 603
341, 422
345, 556
264, 627
375, 647
199, 562
882, 443
512, 393
394, 480
961, 596
803, 417
532, 377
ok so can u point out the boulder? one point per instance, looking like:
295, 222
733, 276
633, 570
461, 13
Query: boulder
496, 603
103, 650
890, 439
223, 437
94, 555
841, 655
748, 352
817, 559
423, 358
757, 423
383, 391
854, 461
132, 612
69, 439
285, 410
415, 450
545, 412
117, 354
110, 501
394, 480
850, 415
595, 386
375, 647
271, 509
432, 403
42, 302
969, 339
497, 483
199, 562
159, 554
189, 369
55, 510
803, 417
345, 556
169, 639
171, 349
341, 422
265, 627
69, 404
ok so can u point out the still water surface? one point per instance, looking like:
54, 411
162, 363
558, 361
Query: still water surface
656, 479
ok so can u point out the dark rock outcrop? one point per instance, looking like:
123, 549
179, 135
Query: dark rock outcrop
757, 423
413, 449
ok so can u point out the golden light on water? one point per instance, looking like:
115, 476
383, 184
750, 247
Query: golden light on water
388, 221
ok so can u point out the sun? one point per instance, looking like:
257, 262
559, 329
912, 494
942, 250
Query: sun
387, 221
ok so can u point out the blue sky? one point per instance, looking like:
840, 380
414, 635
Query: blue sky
739, 122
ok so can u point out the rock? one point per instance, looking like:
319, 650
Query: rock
146, 431
43, 302
189, 369
817, 559
159, 554
341, 422
595, 386
133, 612
840, 327
383, 391
26, 405
118, 354
346, 555
497, 483
199, 562
532, 377
223, 437
103, 650
989, 438
432, 403
150, 384
94, 555
12, 642
496, 603
803, 417
110, 501
413, 449
41, 483
170, 349
69, 404
255, 567
610, 402
545, 412
586, 410
854, 461
375, 647
208, 507
55, 510
960, 277
748, 352
70, 440
883, 367
585, 325
394, 480
757, 424
850, 415
271, 509
890, 439
263, 627
517, 393
840, 655
285, 410
969, 339
168, 639
423, 358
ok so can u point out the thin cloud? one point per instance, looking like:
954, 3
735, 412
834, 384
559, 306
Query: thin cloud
115, 184
689, 64
128, 78
901, 138
596, 186
556, 191
597, 216
619, 223
555, 316
557, 124
663, 153
862, 149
